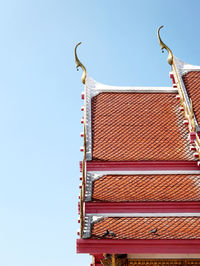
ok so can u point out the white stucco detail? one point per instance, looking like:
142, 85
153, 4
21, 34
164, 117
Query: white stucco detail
89, 221
98, 174
184, 67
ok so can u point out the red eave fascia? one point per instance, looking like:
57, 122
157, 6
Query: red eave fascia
140, 165
142, 207
121, 246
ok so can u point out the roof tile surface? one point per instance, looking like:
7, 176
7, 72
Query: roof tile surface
123, 188
147, 228
138, 126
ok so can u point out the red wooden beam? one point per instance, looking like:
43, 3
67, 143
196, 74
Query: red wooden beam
148, 246
140, 165
140, 207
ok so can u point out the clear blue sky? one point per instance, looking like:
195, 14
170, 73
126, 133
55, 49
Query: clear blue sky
40, 105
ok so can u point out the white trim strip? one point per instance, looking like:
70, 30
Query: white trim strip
185, 67
99, 174
106, 88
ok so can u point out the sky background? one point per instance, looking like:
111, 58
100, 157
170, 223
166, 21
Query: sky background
40, 105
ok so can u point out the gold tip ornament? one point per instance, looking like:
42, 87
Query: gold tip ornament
164, 46
79, 64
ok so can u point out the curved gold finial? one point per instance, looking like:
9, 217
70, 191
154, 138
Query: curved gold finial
79, 64
164, 46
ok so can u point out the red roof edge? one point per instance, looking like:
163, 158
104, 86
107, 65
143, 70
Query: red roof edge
140, 165
138, 246
141, 207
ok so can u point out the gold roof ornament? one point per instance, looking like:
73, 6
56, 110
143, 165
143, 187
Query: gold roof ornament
192, 116
164, 46
79, 64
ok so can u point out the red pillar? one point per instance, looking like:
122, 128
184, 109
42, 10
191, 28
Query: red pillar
97, 259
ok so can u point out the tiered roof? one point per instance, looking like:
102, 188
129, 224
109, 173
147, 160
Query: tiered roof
140, 126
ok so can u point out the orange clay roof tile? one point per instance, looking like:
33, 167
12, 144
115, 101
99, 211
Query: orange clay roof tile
138, 126
123, 188
141, 227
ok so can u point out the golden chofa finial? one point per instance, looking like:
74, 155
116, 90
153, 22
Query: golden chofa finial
164, 46
79, 64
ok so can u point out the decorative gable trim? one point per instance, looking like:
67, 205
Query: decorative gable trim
181, 68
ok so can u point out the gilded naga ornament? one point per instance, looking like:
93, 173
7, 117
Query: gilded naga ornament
164, 46
79, 64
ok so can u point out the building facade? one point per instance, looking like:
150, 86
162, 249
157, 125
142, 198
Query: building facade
140, 183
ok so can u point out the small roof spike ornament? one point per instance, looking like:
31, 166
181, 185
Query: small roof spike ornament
79, 64
164, 46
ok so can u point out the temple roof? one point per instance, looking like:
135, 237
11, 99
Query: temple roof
141, 125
